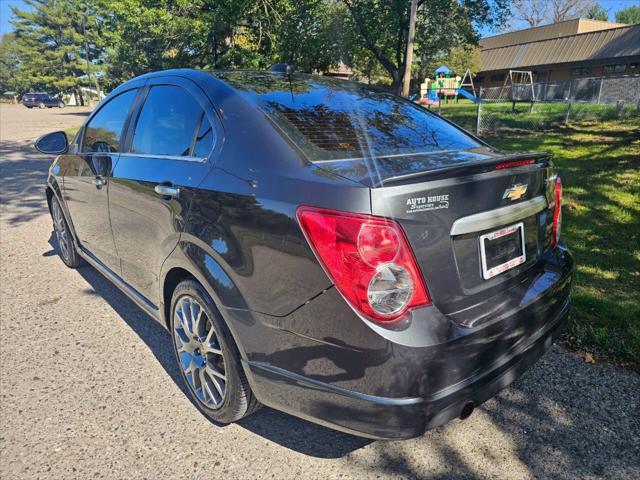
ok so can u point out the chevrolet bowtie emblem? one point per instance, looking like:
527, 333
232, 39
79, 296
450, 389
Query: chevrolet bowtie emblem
516, 192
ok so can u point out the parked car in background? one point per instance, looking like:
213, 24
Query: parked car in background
41, 100
316, 245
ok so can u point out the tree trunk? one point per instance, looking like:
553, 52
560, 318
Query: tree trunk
396, 84
409, 58
98, 92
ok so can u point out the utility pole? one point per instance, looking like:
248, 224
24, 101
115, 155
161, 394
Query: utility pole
406, 80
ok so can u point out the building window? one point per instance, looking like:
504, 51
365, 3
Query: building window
619, 68
479, 79
499, 77
633, 66
580, 71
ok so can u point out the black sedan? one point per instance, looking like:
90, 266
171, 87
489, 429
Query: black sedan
41, 100
316, 246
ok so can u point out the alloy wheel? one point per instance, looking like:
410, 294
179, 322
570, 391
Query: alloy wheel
60, 228
200, 353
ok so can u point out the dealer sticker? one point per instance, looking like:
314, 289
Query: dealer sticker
426, 204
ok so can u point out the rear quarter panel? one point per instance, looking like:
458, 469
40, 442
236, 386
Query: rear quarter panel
243, 215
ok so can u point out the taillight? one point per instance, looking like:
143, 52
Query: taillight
514, 163
369, 260
557, 213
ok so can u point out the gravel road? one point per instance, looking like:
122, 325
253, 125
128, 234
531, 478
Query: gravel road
88, 387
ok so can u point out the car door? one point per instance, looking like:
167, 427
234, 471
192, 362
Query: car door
86, 174
168, 150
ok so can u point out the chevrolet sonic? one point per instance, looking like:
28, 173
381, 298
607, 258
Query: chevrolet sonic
317, 246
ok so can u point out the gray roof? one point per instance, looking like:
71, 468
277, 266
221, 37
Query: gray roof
547, 32
598, 45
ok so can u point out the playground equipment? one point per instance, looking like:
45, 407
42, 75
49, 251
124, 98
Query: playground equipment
432, 92
520, 88
467, 81
466, 94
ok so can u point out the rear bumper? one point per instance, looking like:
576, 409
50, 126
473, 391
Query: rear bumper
393, 418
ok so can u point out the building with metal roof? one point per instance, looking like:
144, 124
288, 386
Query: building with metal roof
562, 51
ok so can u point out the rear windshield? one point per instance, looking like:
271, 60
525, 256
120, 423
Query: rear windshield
333, 120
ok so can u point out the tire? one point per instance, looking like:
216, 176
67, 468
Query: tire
208, 357
61, 105
41, 105
66, 247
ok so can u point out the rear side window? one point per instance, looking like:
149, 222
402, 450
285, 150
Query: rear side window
204, 139
103, 132
167, 123
350, 122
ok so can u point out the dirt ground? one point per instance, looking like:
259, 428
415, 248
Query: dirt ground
89, 389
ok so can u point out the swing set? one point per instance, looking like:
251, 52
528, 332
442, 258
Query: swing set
518, 87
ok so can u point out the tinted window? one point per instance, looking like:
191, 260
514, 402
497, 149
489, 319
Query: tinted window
103, 132
332, 120
204, 139
167, 122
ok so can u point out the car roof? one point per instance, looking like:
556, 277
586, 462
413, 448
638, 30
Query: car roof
258, 82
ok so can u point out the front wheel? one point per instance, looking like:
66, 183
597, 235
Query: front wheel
61, 105
41, 105
208, 357
66, 247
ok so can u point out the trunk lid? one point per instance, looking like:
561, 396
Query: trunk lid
445, 212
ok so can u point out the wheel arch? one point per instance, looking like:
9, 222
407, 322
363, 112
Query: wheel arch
53, 190
171, 280
49, 194
192, 260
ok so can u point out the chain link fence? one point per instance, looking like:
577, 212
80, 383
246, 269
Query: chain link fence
541, 106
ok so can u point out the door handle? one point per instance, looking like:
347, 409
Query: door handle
99, 181
167, 190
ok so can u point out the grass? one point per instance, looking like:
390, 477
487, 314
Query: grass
71, 132
463, 113
599, 163
502, 116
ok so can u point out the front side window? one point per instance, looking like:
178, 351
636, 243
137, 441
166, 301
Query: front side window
167, 122
103, 132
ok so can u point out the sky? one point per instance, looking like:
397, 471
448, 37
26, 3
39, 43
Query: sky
612, 6
5, 13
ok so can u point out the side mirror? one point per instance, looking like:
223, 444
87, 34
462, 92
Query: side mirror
55, 143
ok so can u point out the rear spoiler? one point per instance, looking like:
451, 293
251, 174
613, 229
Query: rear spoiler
502, 162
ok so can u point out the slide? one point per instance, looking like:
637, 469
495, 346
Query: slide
466, 94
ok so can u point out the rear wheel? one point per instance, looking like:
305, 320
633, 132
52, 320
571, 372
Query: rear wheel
208, 357
66, 247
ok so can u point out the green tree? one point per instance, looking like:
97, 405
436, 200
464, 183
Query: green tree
597, 12
629, 15
147, 35
309, 34
458, 59
380, 28
58, 45
10, 73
